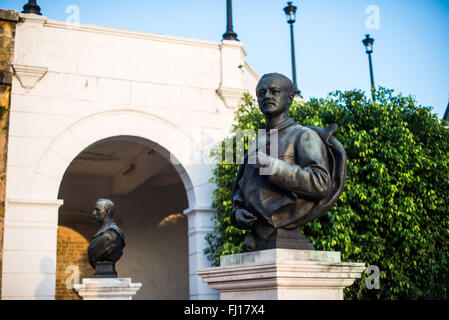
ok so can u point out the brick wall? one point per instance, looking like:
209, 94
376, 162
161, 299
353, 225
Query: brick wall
72, 263
74, 233
8, 22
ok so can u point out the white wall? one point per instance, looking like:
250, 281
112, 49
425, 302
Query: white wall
77, 85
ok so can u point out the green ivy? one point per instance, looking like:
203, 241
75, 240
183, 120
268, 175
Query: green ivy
394, 210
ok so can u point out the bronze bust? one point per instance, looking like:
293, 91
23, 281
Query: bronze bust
304, 179
106, 246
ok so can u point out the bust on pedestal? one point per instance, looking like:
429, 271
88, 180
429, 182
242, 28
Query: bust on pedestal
106, 246
105, 249
290, 176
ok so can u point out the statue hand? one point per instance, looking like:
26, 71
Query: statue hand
244, 218
262, 160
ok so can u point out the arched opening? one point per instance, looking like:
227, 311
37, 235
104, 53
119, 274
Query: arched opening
149, 197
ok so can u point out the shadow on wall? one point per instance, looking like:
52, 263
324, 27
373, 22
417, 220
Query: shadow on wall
45, 287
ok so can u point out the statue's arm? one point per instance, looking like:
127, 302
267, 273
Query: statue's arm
237, 201
310, 177
240, 217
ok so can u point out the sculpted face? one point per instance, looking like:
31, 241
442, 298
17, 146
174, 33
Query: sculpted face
273, 95
100, 213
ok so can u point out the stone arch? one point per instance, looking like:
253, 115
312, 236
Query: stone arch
147, 202
171, 141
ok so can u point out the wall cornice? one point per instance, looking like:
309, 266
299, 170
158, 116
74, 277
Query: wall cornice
132, 34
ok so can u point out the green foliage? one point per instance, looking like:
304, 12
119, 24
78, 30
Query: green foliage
394, 210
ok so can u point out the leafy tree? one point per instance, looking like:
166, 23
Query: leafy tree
394, 210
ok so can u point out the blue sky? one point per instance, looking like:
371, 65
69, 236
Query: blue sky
411, 48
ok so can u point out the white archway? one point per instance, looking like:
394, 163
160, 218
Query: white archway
97, 127
171, 141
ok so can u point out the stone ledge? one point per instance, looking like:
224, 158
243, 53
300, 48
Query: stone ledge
29, 76
107, 289
231, 96
296, 273
282, 274
31, 201
280, 254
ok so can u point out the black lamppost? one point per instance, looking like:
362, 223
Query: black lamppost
230, 34
368, 42
290, 13
32, 7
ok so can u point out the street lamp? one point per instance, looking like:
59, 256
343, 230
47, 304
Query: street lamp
32, 7
368, 43
290, 14
230, 34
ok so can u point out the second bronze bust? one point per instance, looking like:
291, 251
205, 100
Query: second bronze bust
106, 246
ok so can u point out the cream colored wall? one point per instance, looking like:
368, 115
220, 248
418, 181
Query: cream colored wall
76, 85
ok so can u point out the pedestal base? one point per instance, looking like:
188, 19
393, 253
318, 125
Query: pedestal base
105, 270
107, 289
282, 274
288, 239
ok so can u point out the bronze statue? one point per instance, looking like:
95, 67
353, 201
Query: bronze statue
304, 179
106, 246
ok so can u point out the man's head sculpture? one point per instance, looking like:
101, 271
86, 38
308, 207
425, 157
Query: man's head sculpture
279, 98
308, 175
106, 246
104, 209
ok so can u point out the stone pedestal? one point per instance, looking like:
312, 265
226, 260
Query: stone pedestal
107, 289
282, 274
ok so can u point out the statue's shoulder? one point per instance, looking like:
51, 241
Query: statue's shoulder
296, 129
304, 132
315, 134
112, 229
115, 228
326, 134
